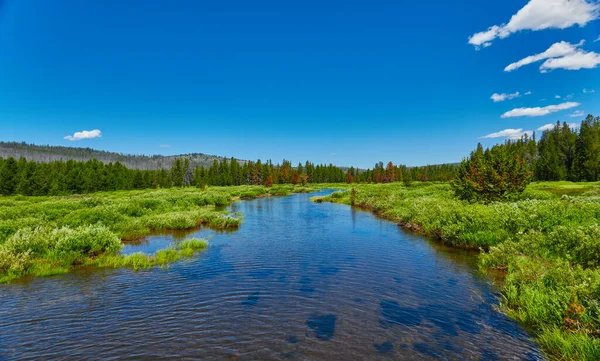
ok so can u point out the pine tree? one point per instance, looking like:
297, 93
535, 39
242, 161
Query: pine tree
494, 174
8, 177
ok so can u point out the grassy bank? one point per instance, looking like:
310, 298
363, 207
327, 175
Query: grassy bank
548, 242
50, 235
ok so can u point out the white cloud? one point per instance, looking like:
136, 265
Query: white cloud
539, 111
508, 133
557, 97
561, 55
562, 48
84, 134
502, 97
165, 145
597, 39
546, 127
540, 15
577, 113
588, 91
551, 126
576, 61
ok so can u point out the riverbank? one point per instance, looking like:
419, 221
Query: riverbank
547, 242
44, 236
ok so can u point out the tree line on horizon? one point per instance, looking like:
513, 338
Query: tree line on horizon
74, 177
562, 153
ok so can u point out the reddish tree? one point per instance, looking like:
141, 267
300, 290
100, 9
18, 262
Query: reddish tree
295, 178
303, 178
389, 173
349, 178
269, 182
378, 177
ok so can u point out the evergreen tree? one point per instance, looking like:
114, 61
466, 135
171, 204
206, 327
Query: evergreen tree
8, 177
494, 174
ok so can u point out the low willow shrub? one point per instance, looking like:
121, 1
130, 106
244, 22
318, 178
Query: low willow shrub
30, 248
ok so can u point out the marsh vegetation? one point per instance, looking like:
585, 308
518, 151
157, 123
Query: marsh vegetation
50, 235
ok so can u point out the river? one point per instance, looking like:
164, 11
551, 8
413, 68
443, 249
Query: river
297, 281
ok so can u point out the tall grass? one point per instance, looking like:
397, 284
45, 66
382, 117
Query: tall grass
548, 242
50, 235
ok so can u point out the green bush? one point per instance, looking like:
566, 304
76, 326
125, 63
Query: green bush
495, 174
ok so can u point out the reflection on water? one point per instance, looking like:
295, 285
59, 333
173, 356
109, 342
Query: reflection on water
297, 281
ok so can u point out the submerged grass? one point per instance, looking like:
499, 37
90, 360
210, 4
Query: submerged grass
548, 242
162, 258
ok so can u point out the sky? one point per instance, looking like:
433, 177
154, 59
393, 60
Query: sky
344, 82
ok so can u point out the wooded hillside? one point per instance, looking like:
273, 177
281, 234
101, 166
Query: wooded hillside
48, 153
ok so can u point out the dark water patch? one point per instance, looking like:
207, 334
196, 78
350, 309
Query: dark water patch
452, 282
305, 280
252, 300
307, 289
328, 270
452, 347
261, 274
288, 355
292, 339
394, 314
323, 326
384, 348
426, 349
398, 279
438, 315
467, 323
489, 355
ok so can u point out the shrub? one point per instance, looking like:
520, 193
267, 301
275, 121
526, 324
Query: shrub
491, 175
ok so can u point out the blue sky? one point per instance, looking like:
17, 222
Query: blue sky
347, 82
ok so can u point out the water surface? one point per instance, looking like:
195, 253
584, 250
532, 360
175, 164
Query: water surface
297, 281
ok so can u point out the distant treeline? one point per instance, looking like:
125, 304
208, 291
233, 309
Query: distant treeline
60, 177
562, 153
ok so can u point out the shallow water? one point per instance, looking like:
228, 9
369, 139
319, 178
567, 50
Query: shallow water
297, 281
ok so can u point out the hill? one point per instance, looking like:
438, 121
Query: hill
49, 153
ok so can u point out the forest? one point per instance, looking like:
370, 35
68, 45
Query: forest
74, 177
